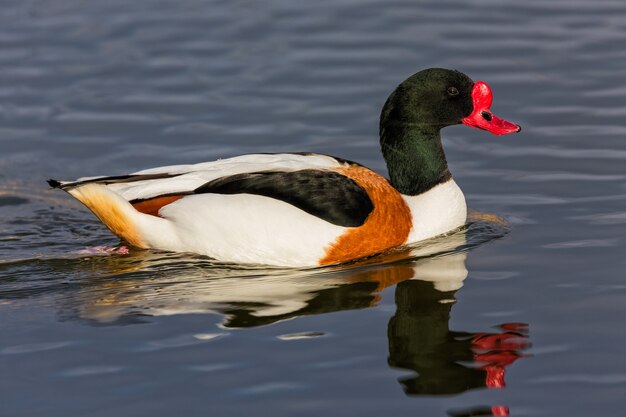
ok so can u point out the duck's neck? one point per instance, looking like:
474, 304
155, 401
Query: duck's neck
414, 155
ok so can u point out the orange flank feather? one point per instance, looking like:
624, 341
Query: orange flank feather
153, 205
387, 226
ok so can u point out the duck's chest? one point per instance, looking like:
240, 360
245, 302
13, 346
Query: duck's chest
438, 210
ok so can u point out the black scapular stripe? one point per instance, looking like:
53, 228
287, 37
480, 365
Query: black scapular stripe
325, 194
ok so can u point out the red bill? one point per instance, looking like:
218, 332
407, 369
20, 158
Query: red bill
482, 118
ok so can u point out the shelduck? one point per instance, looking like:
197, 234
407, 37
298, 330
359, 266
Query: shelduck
306, 209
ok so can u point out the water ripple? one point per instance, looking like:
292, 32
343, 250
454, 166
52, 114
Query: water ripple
33, 347
610, 379
115, 86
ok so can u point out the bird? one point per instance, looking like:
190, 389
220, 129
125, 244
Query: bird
306, 209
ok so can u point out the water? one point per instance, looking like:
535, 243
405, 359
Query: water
524, 317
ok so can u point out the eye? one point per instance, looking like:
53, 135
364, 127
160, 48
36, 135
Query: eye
453, 91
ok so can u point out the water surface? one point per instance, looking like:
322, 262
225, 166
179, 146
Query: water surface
522, 316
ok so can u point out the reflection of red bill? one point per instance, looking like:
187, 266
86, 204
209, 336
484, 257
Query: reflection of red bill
482, 118
516, 327
495, 377
500, 410
507, 340
495, 351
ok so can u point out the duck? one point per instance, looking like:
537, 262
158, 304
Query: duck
306, 209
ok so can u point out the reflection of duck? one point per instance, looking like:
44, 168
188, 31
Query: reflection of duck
354, 290
306, 209
254, 297
259, 299
445, 361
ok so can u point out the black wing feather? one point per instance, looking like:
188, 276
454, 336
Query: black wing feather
325, 194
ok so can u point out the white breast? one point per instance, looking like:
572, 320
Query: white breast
437, 211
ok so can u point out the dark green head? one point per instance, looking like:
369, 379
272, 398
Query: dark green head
414, 114
432, 99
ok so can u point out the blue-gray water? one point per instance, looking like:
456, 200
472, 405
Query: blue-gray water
108, 87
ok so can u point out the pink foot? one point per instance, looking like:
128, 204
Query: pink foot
104, 250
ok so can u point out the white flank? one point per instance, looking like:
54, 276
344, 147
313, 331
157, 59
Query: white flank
244, 228
437, 211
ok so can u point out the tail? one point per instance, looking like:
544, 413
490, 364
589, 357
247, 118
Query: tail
110, 180
112, 209
54, 183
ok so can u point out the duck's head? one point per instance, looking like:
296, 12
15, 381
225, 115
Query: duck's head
436, 97
414, 114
